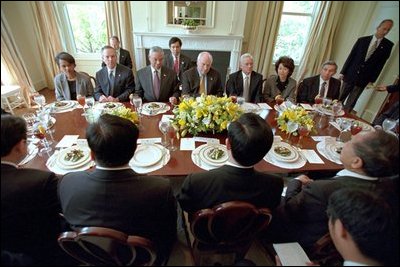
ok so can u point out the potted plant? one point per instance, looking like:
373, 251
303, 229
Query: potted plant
190, 24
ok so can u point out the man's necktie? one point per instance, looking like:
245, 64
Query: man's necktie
156, 85
246, 89
322, 90
111, 80
176, 65
371, 50
202, 88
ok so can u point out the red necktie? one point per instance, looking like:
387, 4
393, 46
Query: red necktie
176, 65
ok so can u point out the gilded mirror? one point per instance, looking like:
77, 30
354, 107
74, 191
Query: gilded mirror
201, 12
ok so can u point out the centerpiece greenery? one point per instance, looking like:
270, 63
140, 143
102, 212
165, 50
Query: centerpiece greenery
204, 114
190, 24
125, 113
295, 114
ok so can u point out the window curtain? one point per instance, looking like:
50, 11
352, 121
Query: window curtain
322, 34
264, 33
48, 36
119, 23
11, 59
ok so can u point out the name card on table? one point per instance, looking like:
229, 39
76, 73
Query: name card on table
149, 140
264, 106
307, 106
206, 140
311, 156
67, 141
187, 144
167, 118
320, 138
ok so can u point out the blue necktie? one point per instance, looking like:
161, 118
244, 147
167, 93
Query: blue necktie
111, 80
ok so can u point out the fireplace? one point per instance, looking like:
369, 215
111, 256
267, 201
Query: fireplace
225, 49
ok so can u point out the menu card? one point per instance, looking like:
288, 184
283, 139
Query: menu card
291, 254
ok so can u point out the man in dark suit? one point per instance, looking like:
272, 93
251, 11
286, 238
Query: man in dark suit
168, 85
364, 63
323, 85
368, 160
115, 82
236, 84
123, 56
30, 221
114, 195
175, 60
202, 79
249, 139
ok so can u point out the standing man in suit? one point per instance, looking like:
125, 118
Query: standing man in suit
119, 198
30, 221
115, 82
249, 139
157, 82
368, 160
323, 85
245, 82
202, 79
123, 56
175, 60
364, 63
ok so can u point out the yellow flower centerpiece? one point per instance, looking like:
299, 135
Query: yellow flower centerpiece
204, 114
296, 114
125, 113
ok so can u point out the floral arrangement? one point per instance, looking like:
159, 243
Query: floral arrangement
295, 114
204, 114
125, 113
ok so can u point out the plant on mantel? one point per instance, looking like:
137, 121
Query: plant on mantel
190, 24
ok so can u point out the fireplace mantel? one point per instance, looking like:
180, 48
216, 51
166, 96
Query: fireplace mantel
230, 43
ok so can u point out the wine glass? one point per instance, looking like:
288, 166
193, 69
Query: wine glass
30, 119
163, 126
279, 99
171, 134
291, 127
303, 131
81, 100
240, 100
337, 107
344, 125
40, 100
355, 128
388, 124
136, 102
40, 132
45, 118
90, 101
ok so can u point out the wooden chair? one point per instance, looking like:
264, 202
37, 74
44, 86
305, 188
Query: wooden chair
92, 79
102, 246
224, 233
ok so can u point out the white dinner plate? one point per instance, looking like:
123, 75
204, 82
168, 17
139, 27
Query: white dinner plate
365, 126
326, 111
333, 148
67, 164
146, 155
153, 106
108, 105
205, 154
63, 104
293, 156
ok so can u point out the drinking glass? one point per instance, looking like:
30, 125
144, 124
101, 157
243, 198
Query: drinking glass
163, 126
291, 128
81, 100
344, 125
279, 99
40, 132
303, 131
30, 119
45, 118
40, 100
337, 107
136, 101
171, 134
240, 100
318, 100
388, 124
90, 101
355, 128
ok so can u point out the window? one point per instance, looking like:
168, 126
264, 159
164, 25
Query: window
84, 26
294, 29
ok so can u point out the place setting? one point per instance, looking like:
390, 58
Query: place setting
62, 106
251, 107
330, 149
285, 156
149, 157
108, 105
71, 159
154, 108
210, 156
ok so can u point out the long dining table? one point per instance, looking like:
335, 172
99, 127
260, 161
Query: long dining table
73, 123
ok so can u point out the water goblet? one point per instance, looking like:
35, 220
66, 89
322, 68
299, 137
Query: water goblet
318, 100
163, 126
40, 100
136, 101
30, 119
344, 125
388, 124
40, 132
240, 100
303, 131
90, 101
171, 134
337, 107
291, 127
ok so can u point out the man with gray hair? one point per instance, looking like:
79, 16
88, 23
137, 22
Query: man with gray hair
245, 82
156, 82
202, 79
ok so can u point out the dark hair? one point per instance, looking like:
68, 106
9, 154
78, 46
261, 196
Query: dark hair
368, 219
287, 62
174, 40
112, 140
114, 37
64, 56
379, 152
106, 47
329, 62
13, 130
250, 137
386, 20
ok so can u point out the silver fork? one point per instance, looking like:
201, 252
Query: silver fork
299, 150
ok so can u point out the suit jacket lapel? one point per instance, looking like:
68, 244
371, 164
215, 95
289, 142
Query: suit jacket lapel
106, 89
149, 80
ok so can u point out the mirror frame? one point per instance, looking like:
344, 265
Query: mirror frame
209, 17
